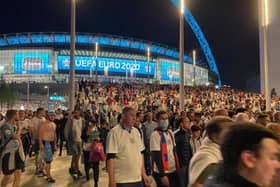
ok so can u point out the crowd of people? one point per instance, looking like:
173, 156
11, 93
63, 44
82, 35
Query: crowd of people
223, 137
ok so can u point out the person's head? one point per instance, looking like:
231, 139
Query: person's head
11, 115
149, 116
241, 117
195, 131
128, 117
275, 127
197, 116
183, 114
252, 151
77, 114
21, 115
277, 117
40, 112
140, 116
185, 123
162, 118
58, 111
51, 116
263, 119
114, 113
216, 126
221, 112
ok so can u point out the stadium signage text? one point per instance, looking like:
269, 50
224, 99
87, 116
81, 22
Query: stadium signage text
116, 65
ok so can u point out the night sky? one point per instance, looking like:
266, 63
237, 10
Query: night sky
230, 27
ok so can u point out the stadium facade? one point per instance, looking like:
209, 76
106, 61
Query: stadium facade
45, 57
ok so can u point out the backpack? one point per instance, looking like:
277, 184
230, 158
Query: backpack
96, 152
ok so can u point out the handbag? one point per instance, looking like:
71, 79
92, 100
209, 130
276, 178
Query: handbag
96, 152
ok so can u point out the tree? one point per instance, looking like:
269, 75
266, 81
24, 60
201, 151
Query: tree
7, 94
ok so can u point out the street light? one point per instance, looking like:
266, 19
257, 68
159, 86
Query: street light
194, 64
264, 23
28, 93
72, 56
148, 53
48, 96
181, 89
96, 64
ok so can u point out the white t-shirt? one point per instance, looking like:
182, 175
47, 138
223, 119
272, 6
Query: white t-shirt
77, 129
150, 127
128, 147
155, 146
36, 122
25, 125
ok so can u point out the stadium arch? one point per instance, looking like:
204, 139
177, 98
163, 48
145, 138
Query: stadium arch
201, 39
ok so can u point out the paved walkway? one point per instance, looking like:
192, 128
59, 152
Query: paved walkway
60, 173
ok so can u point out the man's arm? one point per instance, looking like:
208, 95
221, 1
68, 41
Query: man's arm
111, 171
112, 150
144, 174
40, 136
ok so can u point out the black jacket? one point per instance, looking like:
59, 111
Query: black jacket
227, 178
183, 147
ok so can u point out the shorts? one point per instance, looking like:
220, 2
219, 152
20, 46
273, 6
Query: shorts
48, 151
75, 148
19, 164
36, 147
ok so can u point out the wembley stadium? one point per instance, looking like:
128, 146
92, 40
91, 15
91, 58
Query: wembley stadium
45, 58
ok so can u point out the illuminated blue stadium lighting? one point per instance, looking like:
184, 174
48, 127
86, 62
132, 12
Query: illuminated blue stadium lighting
47, 38
3, 42
103, 40
59, 38
124, 43
13, 40
82, 39
116, 42
106, 40
36, 39
24, 39
57, 98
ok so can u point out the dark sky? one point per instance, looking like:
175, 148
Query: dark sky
230, 26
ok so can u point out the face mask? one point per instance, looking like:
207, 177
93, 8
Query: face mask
163, 124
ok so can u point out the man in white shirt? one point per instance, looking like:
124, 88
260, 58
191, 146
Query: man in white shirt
164, 154
25, 125
36, 122
73, 132
125, 161
150, 125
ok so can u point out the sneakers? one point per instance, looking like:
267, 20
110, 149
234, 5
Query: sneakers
79, 173
37, 172
50, 180
41, 174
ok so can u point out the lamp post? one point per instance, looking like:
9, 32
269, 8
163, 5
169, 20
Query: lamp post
181, 89
194, 64
90, 68
28, 93
148, 54
264, 22
48, 96
72, 56
96, 64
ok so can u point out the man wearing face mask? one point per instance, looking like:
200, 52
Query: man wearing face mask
164, 154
